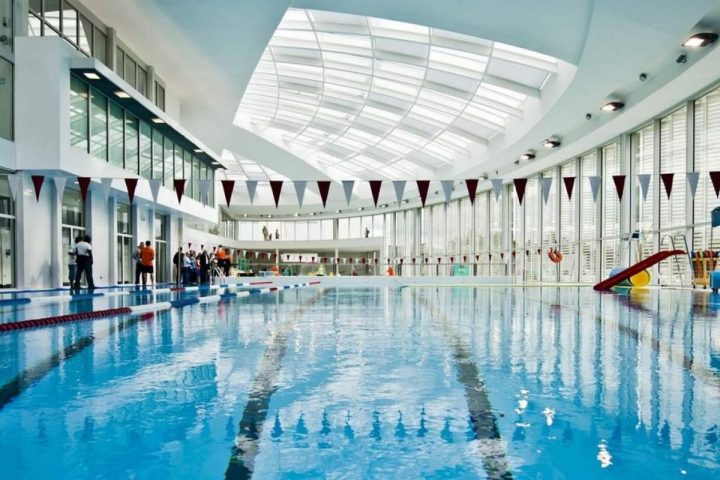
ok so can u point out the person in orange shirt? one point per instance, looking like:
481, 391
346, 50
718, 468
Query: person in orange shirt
147, 257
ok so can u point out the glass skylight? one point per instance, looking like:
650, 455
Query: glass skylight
375, 98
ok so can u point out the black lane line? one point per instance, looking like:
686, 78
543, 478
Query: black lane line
247, 441
23, 380
478, 401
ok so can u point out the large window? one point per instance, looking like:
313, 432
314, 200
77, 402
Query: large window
6, 99
78, 113
707, 159
99, 126
673, 160
117, 135
73, 224
145, 150
131, 144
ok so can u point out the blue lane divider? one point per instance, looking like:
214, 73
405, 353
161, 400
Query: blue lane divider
183, 302
14, 301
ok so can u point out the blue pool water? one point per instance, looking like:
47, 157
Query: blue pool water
432, 383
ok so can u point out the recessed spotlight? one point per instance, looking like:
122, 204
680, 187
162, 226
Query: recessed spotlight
643, 76
157, 120
269, 216
244, 215
198, 150
92, 75
296, 214
612, 106
338, 211
700, 40
312, 214
216, 163
406, 201
361, 209
551, 143
681, 59
527, 156
121, 94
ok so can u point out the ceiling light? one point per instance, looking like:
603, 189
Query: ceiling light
121, 94
551, 143
244, 215
198, 150
312, 214
700, 40
296, 214
527, 156
157, 120
406, 201
92, 75
216, 163
612, 106
360, 209
338, 211
269, 216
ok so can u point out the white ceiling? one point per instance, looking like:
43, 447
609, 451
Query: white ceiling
206, 52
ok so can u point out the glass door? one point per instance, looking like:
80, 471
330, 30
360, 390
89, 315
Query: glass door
125, 262
124, 259
160, 248
7, 253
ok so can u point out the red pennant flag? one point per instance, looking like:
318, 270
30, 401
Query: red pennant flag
413, 260
38, 182
84, 183
715, 177
452, 259
228, 187
520, 184
667, 179
502, 255
276, 187
490, 257
324, 187
569, 184
426, 260
300, 258
477, 258
375, 189
287, 258
376, 261
179, 187
423, 186
439, 259
619, 185
131, 184
471, 185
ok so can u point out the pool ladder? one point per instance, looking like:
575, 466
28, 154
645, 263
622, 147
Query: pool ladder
676, 261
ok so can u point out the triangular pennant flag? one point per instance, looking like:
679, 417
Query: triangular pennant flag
155, 184
251, 188
497, 187
447, 186
204, 188
545, 185
644, 181
300, 190
423, 186
324, 189
471, 184
667, 179
276, 187
569, 184
375, 189
14, 182
106, 184
520, 184
715, 177
594, 186
131, 184
348, 188
399, 186
228, 186
84, 183
60, 185
692, 179
619, 181
38, 183
179, 184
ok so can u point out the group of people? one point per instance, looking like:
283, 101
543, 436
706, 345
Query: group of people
195, 267
267, 236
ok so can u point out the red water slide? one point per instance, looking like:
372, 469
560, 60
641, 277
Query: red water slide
610, 282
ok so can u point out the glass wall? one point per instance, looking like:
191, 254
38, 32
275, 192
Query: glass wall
108, 132
73, 224
161, 248
7, 235
6, 99
55, 18
124, 262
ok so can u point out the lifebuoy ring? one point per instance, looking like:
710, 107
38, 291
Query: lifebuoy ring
555, 255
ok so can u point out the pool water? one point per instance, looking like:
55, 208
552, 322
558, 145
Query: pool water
386, 383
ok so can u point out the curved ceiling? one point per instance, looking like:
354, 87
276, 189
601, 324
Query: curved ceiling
363, 97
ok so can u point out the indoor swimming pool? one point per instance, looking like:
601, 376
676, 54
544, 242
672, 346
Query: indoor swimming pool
371, 383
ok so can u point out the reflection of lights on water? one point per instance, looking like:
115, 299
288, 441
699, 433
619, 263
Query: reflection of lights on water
604, 456
549, 415
522, 404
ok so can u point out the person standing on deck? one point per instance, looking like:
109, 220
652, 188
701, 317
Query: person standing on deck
84, 263
147, 259
72, 261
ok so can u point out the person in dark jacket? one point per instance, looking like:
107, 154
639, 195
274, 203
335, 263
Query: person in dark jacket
204, 260
84, 263
178, 261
